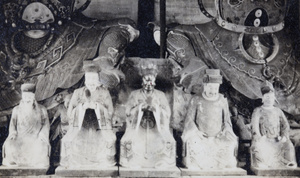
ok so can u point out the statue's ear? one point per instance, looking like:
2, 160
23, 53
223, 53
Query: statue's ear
112, 51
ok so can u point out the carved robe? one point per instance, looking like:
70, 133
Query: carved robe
217, 148
90, 140
267, 151
30, 147
148, 142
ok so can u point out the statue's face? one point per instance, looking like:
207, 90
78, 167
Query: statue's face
149, 82
28, 97
37, 17
211, 90
92, 81
269, 99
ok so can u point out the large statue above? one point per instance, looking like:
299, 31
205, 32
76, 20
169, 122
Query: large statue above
208, 138
148, 142
271, 145
248, 42
90, 141
46, 42
27, 144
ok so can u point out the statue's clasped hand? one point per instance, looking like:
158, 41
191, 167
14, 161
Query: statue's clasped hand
90, 105
281, 139
145, 106
202, 135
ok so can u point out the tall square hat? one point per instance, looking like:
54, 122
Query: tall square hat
212, 76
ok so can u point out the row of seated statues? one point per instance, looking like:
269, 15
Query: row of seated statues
47, 43
208, 138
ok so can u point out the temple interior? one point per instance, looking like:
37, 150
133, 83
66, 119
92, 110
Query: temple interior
149, 88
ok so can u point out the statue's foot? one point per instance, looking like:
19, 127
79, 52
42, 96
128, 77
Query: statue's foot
262, 166
163, 165
10, 164
292, 165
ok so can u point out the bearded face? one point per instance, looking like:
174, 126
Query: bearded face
269, 99
28, 101
148, 83
92, 81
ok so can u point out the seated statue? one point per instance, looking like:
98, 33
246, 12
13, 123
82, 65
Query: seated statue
271, 145
208, 138
27, 144
148, 142
90, 140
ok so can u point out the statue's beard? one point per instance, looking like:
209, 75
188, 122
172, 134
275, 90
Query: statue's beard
27, 106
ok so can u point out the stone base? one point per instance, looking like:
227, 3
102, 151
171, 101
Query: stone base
149, 172
214, 172
22, 171
87, 172
276, 171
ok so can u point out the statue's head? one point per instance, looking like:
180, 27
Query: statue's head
251, 16
268, 93
149, 73
211, 84
92, 80
28, 96
38, 16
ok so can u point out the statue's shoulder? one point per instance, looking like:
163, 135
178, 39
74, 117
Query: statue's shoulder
222, 98
196, 99
159, 93
135, 92
78, 90
258, 110
16, 108
43, 108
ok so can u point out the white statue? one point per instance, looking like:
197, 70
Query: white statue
90, 140
271, 145
148, 142
208, 138
27, 144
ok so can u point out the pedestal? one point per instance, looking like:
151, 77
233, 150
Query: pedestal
149, 172
214, 172
87, 172
276, 171
22, 171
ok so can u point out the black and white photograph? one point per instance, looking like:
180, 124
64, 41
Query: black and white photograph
149, 88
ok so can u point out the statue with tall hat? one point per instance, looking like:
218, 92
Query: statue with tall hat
90, 141
27, 144
208, 138
271, 145
148, 142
